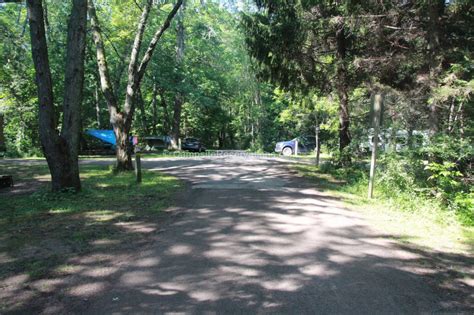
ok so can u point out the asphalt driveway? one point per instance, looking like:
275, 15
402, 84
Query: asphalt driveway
247, 236
251, 237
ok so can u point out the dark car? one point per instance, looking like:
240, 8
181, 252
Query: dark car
193, 145
306, 144
155, 143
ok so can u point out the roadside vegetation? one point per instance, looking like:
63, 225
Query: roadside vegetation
41, 230
420, 195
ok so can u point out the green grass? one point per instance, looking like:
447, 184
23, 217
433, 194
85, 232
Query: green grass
39, 230
409, 217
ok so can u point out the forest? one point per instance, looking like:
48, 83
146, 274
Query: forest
243, 75
236, 156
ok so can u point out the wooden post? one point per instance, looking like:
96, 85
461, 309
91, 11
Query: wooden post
296, 146
2, 134
179, 144
138, 167
378, 99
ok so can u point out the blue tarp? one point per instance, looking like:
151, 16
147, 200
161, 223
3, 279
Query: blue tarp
104, 135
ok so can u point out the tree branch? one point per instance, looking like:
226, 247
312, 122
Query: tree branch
155, 39
105, 82
132, 66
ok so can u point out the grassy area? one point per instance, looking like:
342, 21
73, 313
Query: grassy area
40, 230
409, 217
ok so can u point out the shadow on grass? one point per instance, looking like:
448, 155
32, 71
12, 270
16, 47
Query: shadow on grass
40, 231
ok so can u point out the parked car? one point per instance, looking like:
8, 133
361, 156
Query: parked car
192, 145
155, 143
306, 144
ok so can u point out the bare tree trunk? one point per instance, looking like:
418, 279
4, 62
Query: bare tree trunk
460, 116
166, 116
122, 131
74, 83
435, 10
317, 142
97, 107
342, 90
122, 121
451, 116
141, 106
105, 82
46, 21
61, 150
175, 131
154, 107
27, 18
179, 98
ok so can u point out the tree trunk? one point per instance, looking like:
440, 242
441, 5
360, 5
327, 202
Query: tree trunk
344, 121
179, 98
166, 117
154, 108
317, 142
61, 151
73, 86
123, 146
122, 121
435, 10
342, 89
175, 132
141, 106
451, 116
97, 107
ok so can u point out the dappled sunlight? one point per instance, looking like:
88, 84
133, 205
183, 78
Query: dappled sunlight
101, 216
69, 244
180, 249
280, 246
137, 227
86, 290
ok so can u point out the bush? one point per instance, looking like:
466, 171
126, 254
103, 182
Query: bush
411, 183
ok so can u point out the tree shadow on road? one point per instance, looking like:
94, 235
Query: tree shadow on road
290, 249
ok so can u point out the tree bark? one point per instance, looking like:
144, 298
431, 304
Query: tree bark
435, 9
342, 89
115, 116
122, 120
73, 85
179, 98
97, 107
154, 107
175, 131
166, 116
60, 150
141, 106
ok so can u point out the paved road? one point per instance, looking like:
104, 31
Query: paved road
254, 238
248, 236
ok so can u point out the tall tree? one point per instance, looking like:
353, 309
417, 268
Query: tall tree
179, 97
435, 10
121, 120
305, 46
60, 148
